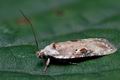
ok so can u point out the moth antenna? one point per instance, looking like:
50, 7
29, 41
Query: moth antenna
31, 25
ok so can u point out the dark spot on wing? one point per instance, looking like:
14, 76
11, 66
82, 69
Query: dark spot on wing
76, 49
83, 50
54, 45
74, 40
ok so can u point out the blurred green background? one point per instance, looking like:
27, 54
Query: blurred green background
57, 20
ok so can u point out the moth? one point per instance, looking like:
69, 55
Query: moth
73, 50
79, 49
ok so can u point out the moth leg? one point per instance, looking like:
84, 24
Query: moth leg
72, 63
46, 64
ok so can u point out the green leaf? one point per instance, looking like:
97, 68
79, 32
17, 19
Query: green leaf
54, 21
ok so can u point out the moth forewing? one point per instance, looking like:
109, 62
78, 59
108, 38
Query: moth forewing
77, 49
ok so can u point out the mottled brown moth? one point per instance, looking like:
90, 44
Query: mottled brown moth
70, 51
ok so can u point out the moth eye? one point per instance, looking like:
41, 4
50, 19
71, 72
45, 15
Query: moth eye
83, 50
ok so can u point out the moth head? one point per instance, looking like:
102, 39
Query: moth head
40, 54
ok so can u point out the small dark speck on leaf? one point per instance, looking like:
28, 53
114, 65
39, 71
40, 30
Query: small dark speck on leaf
59, 13
22, 21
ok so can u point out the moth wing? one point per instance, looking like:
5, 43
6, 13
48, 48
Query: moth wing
80, 48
